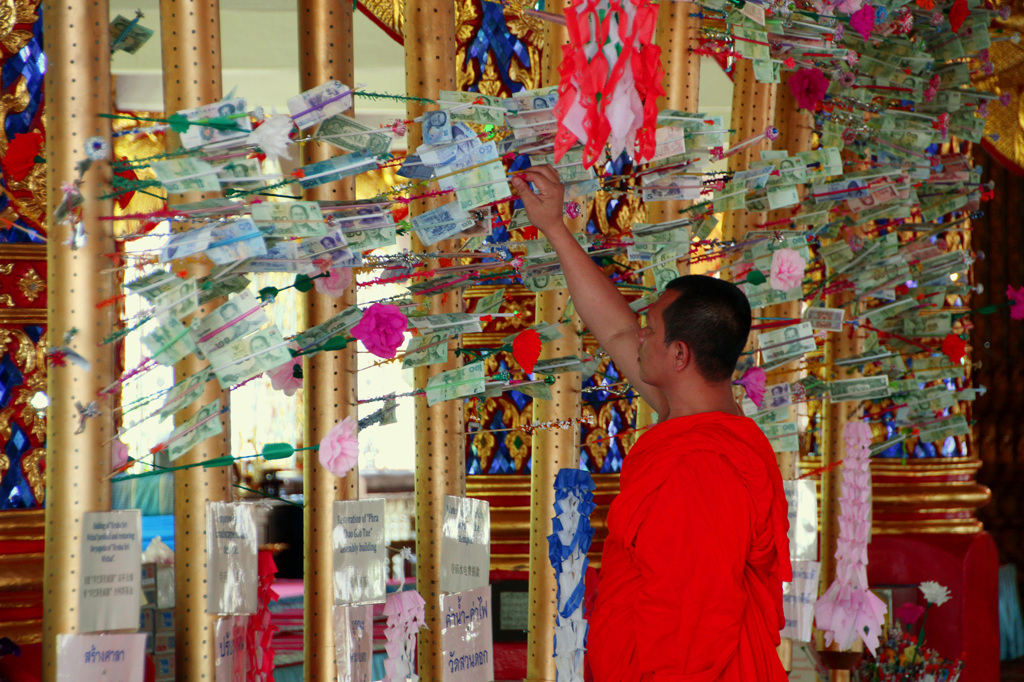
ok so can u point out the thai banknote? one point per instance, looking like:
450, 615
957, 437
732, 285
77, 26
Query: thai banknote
239, 316
672, 188
184, 244
335, 168
289, 218
232, 126
212, 287
464, 141
865, 388
482, 180
532, 100
186, 175
456, 383
205, 423
447, 324
438, 285
429, 349
437, 127
185, 392
937, 324
415, 168
338, 324
320, 103
490, 303
249, 356
152, 285
235, 241
786, 343
282, 257
829, 319
441, 223
350, 135
169, 342
128, 38
332, 247
783, 437
178, 301
490, 112
240, 174
953, 426
529, 124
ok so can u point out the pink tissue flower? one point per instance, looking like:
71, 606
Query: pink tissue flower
1016, 299
336, 282
339, 449
808, 87
753, 381
787, 270
282, 377
863, 21
382, 329
118, 455
909, 612
849, 6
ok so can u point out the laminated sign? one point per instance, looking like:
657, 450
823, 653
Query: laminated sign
466, 636
111, 571
465, 544
232, 659
360, 557
353, 643
101, 658
231, 568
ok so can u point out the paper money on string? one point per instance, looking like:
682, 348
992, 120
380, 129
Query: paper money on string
439, 285
240, 174
249, 356
332, 248
429, 349
532, 100
441, 223
282, 257
178, 301
185, 392
490, 303
289, 218
456, 383
955, 425
787, 343
829, 319
490, 112
866, 388
383, 416
350, 135
482, 182
230, 112
673, 188
126, 36
239, 316
169, 342
184, 244
235, 241
186, 175
205, 423
320, 103
933, 325
437, 127
152, 285
464, 142
447, 324
339, 324
212, 287
532, 123
335, 168
414, 168
783, 437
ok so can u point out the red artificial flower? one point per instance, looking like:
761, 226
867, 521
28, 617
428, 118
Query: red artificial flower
953, 347
808, 87
927, 5
958, 14
863, 21
21, 155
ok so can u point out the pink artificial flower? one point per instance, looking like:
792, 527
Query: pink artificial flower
851, 57
1016, 299
118, 455
339, 449
849, 6
909, 612
382, 329
863, 21
753, 381
808, 87
787, 270
336, 282
282, 377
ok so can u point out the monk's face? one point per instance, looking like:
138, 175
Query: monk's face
653, 356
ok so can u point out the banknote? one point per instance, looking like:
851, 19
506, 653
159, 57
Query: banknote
560, 365
673, 188
829, 319
177, 301
447, 324
731, 198
666, 268
333, 247
186, 175
482, 182
936, 324
235, 241
519, 220
185, 392
786, 343
955, 425
152, 285
464, 141
232, 110
438, 285
532, 100
490, 112
128, 38
753, 43
248, 356
783, 437
241, 315
187, 243
320, 103
761, 295
366, 227
544, 282
289, 218
781, 197
777, 395
441, 223
456, 383
350, 135
338, 324
669, 142
881, 194
839, 191
282, 257
437, 127
865, 388
240, 174
212, 287
169, 342
415, 168
580, 190
529, 124
335, 168
205, 423
429, 349
490, 303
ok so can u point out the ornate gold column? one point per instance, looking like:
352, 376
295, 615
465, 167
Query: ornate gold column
440, 444
190, 42
329, 384
77, 91
552, 449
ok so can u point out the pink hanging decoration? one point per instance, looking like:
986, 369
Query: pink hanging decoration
406, 615
753, 382
610, 79
848, 609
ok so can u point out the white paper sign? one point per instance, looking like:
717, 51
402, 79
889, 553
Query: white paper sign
232, 658
798, 599
803, 519
231, 569
110, 586
466, 636
465, 544
360, 557
353, 643
110, 658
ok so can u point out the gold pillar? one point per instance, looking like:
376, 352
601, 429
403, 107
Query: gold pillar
77, 90
440, 446
190, 44
329, 384
552, 449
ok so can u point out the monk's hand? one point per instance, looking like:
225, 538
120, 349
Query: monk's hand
544, 203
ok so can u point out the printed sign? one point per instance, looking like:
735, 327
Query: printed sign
231, 569
111, 571
232, 659
465, 544
360, 557
803, 519
106, 658
466, 636
353, 643
798, 599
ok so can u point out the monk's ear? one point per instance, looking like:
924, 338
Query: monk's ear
681, 355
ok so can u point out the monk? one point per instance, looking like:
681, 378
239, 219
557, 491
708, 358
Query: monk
691, 576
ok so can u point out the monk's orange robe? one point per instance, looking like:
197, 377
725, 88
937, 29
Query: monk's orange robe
697, 550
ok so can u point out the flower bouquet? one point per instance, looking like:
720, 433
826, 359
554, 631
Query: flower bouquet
902, 654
